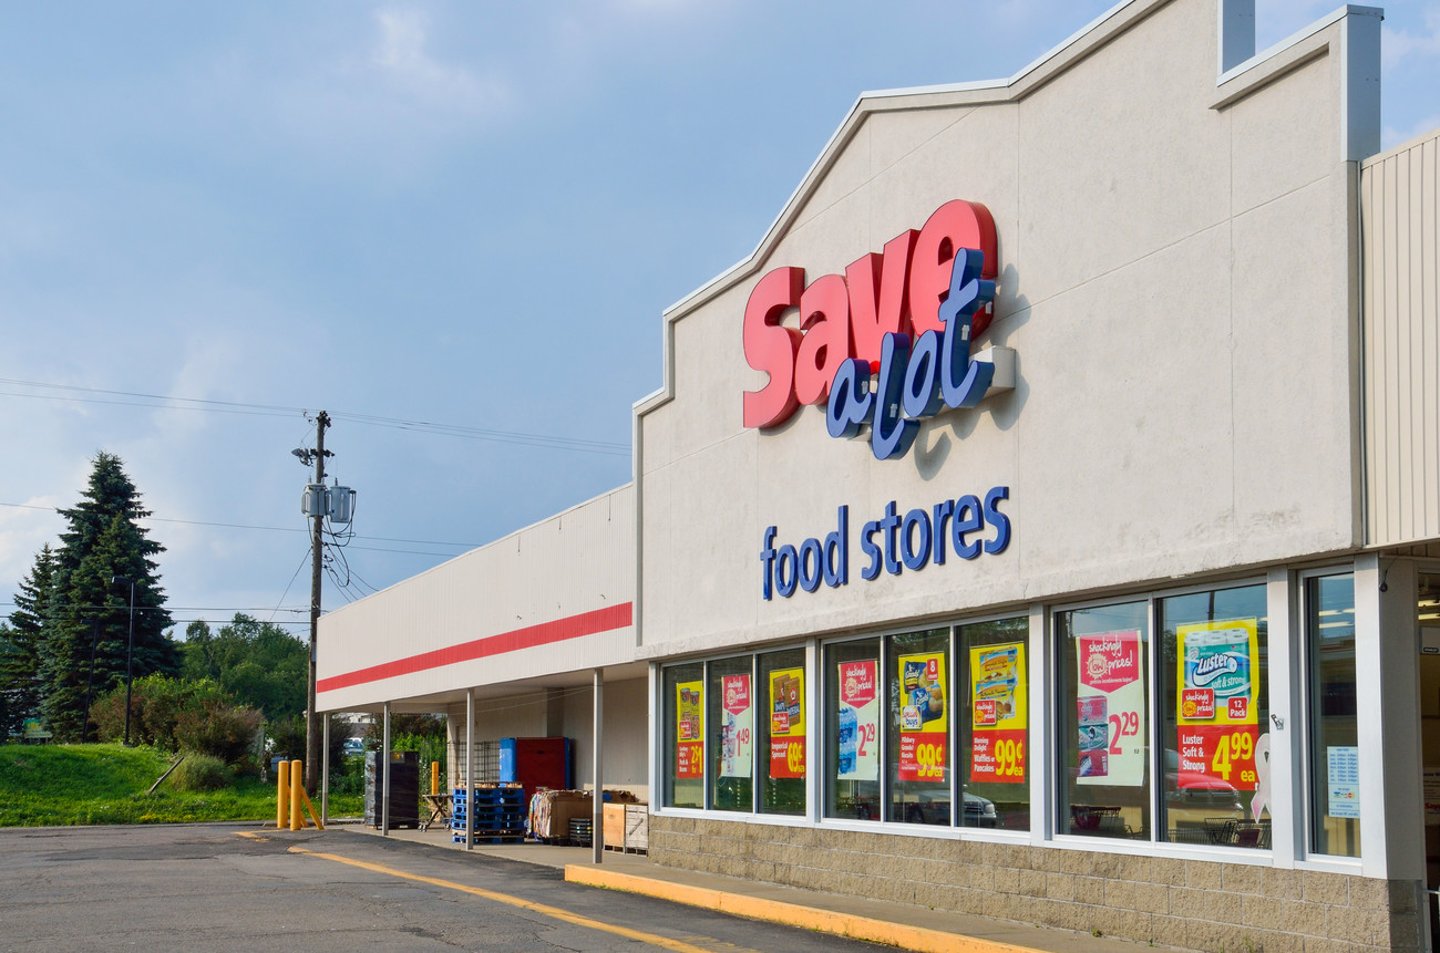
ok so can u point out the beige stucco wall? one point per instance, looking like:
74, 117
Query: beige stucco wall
1175, 282
578, 561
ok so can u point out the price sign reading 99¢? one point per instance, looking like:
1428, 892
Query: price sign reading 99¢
924, 754
998, 718
1217, 703
787, 723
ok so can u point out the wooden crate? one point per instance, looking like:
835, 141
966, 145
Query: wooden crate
614, 826
637, 827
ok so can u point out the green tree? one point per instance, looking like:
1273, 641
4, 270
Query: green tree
9, 712
261, 664
21, 685
103, 540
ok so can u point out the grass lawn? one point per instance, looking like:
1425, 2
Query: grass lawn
48, 785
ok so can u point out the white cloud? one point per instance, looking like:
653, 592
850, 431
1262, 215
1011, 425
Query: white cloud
23, 530
1401, 44
1391, 137
402, 55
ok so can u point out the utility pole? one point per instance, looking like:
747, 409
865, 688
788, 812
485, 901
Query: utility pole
312, 720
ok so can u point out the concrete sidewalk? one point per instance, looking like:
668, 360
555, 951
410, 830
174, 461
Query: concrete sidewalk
904, 926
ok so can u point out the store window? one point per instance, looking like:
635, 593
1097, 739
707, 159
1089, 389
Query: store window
1215, 713
1333, 736
918, 736
730, 714
782, 733
684, 688
852, 735
1103, 747
993, 726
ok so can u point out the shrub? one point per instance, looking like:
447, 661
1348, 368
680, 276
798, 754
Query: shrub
287, 737
174, 713
215, 728
201, 772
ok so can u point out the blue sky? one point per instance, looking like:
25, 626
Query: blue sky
467, 213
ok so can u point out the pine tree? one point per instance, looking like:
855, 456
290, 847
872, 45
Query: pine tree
103, 540
21, 686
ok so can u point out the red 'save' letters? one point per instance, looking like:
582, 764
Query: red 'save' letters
848, 316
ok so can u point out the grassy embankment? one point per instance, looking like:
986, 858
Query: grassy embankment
49, 785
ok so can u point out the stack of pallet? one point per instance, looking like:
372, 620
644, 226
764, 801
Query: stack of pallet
499, 812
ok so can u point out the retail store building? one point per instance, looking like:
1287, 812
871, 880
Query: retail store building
1112, 618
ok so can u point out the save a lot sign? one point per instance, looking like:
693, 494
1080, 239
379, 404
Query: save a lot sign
885, 344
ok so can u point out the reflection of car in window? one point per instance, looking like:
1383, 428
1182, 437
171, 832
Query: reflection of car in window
933, 807
1197, 791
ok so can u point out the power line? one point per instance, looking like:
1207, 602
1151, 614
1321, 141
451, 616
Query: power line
293, 577
280, 529
165, 402
168, 608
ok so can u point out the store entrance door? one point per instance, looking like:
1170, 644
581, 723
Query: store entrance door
1428, 596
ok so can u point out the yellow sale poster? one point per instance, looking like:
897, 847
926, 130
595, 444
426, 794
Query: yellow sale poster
787, 723
924, 739
999, 720
690, 729
1217, 703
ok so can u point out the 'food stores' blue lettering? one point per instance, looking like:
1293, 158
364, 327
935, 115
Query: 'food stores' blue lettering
894, 543
937, 372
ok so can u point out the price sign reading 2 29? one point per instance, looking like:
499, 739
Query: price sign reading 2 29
1123, 724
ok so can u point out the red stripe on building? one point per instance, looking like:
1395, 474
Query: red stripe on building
570, 627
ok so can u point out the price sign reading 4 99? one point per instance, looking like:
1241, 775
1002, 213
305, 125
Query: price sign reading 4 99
1217, 703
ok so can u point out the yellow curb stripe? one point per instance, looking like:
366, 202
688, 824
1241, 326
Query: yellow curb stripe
653, 939
920, 939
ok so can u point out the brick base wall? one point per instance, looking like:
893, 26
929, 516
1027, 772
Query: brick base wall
1199, 905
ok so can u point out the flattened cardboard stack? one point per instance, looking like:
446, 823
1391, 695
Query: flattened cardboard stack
552, 811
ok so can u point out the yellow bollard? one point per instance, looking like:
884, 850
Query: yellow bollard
434, 778
282, 796
297, 791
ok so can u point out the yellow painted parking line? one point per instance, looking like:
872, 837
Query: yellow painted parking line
792, 914
251, 835
654, 939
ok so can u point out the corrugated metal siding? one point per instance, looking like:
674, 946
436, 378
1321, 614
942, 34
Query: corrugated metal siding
1400, 219
577, 563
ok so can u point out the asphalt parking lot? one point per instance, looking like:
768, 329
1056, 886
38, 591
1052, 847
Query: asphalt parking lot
228, 887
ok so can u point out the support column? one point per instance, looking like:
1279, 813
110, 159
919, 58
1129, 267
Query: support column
385, 775
1387, 674
597, 799
325, 768
469, 768
1286, 730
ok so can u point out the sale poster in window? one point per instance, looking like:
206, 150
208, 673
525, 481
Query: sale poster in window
737, 714
690, 729
924, 740
1110, 709
787, 723
1217, 703
859, 727
998, 717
